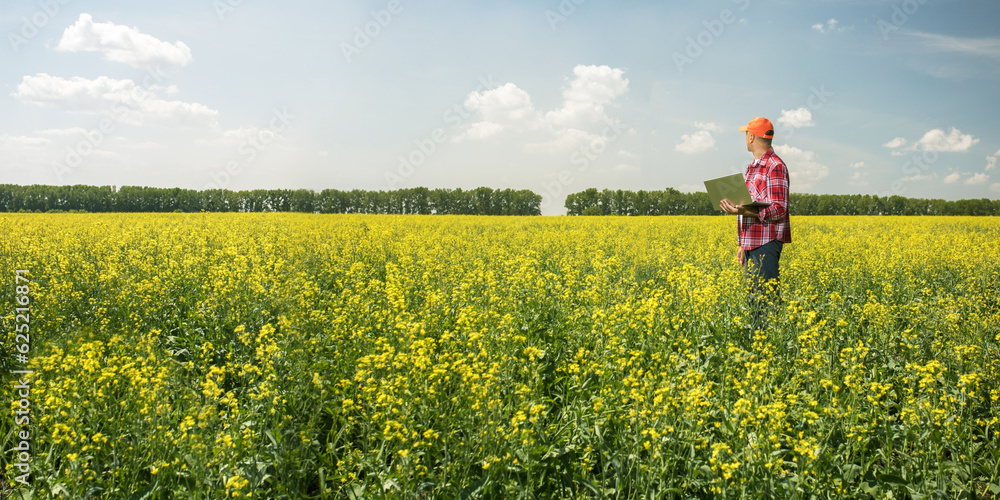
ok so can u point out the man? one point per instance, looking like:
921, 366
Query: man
762, 231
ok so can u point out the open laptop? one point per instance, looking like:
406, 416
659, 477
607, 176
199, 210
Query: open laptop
733, 188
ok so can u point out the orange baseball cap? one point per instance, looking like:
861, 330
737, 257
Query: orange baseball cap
760, 126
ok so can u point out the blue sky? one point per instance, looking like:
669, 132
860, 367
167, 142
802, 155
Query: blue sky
878, 97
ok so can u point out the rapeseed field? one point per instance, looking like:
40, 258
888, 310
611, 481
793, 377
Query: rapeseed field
295, 356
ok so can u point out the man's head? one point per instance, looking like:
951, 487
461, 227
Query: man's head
759, 133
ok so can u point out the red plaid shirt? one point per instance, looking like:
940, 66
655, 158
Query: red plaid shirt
767, 180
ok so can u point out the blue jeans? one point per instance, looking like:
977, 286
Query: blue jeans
762, 280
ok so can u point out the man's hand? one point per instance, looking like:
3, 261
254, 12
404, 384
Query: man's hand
729, 208
741, 256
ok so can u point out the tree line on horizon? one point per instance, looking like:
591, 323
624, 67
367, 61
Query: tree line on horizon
419, 200
673, 202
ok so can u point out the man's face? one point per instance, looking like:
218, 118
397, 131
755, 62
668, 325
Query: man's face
749, 139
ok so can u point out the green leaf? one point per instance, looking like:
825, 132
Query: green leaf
873, 490
357, 492
706, 471
850, 471
891, 479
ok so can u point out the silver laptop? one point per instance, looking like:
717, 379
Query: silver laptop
733, 188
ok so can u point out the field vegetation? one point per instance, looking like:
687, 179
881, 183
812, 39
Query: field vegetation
300, 356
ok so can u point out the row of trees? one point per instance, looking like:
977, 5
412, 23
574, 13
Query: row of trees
673, 202
479, 201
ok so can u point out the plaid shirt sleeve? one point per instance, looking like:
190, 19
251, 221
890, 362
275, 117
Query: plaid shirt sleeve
776, 192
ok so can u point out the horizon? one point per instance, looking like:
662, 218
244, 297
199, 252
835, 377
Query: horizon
348, 189
440, 201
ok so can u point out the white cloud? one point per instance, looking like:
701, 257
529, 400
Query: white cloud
627, 154
895, 143
587, 94
698, 142
63, 131
831, 26
978, 178
918, 177
972, 180
858, 178
581, 120
803, 169
937, 140
709, 126
124, 143
991, 161
622, 167
506, 104
800, 117
122, 100
123, 44
987, 47
22, 141
482, 130
243, 135
565, 140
